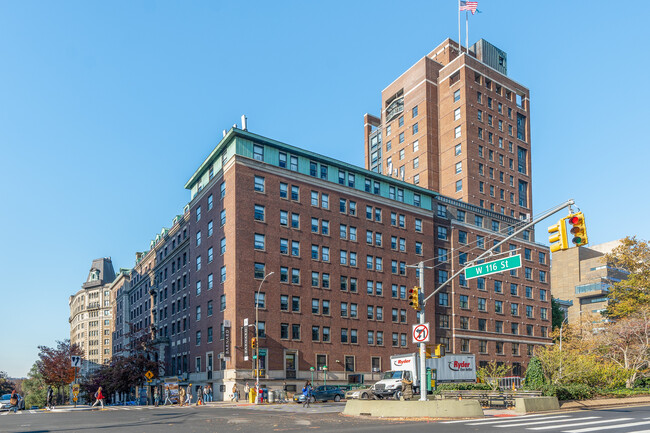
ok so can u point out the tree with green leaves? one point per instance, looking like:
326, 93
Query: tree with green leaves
557, 314
34, 388
630, 294
6, 386
535, 374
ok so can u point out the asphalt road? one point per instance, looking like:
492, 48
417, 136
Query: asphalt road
321, 418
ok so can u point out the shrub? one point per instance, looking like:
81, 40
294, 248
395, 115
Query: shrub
534, 375
574, 391
463, 386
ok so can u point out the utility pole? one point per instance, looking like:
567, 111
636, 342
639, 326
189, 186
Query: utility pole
423, 357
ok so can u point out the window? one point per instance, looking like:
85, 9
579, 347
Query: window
258, 152
295, 304
314, 198
457, 96
457, 132
284, 274
293, 163
223, 274
295, 193
464, 302
514, 309
414, 111
259, 301
222, 217
462, 237
259, 270
198, 263
259, 184
284, 190
295, 221
443, 299
401, 137
259, 242
295, 276
442, 233
418, 225
259, 212
457, 113
481, 304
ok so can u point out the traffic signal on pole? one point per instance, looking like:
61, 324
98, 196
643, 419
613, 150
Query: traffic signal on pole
578, 229
558, 237
414, 298
253, 343
440, 350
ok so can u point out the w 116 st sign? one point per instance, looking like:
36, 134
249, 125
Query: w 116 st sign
506, 264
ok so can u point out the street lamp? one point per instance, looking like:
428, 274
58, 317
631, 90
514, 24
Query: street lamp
325, 374
566, 319
257, 340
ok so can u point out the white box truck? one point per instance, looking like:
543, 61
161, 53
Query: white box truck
450, 368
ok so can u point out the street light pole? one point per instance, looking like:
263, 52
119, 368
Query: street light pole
561, 326
257, 340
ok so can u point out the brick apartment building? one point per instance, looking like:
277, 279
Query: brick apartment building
338, 239
457, 125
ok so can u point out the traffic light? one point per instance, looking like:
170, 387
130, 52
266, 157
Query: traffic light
253, 343
440, 350
414, 298
579, 229
558, 237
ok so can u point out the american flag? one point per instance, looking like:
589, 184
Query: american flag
468, 6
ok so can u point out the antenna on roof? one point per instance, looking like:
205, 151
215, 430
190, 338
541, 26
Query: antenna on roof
243, 122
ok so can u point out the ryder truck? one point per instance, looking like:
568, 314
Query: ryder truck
449, 368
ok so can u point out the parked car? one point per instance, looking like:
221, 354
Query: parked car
359, 393
5, 405
322, 393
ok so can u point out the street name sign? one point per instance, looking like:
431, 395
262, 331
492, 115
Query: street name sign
505, 264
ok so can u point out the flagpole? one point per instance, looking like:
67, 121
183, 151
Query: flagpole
459, 50
466, 33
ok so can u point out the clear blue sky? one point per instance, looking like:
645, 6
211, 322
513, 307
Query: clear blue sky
106, 109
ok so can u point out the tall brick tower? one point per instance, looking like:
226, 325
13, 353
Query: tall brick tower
458, 125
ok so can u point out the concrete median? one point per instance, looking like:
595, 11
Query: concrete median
536, 404
414, 409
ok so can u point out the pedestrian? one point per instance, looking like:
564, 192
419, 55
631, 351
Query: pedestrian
156, 397
188, 400
181, 395
13, 401
306, 392
206, 398
247, 390
199, 395
235, 393
407, 387
167, 397
49, 405
99, 398
210, 396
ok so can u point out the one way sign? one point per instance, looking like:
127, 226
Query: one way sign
75, 361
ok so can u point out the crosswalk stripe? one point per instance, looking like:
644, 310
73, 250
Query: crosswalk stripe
602, 421
590, 429
491, 419
544, 421
508, 421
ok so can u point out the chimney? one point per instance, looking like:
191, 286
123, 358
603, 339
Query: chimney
243, 122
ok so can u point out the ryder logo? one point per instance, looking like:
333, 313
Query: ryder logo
400, 362
459, 366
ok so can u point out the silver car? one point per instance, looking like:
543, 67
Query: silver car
5, 405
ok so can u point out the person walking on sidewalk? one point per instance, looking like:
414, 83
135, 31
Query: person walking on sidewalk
13, 401
188, 400
167, 397
205, 394
99, 398
156, 397
49, 405
247, 390
235, 393
306, 392
181, 396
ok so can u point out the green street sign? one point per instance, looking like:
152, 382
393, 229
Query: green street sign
506, 264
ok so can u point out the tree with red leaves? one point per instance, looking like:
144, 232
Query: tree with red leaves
54, 364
